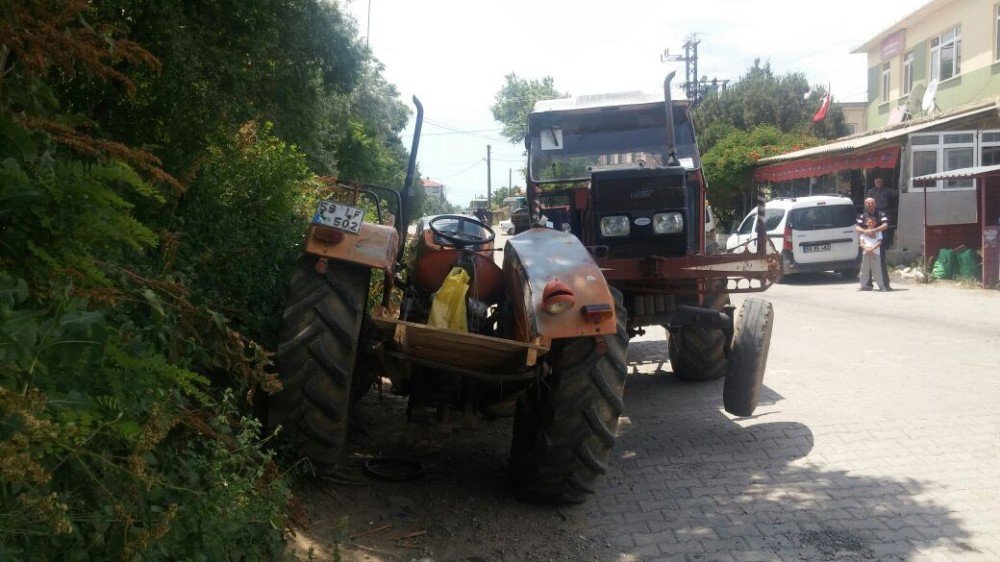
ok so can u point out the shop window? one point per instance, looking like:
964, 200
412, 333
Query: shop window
939, 152
989, 148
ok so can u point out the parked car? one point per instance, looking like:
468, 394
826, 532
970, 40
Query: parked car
507, 226
814, 233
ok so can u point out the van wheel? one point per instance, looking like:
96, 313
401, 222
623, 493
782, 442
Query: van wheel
748, 357
316, 357
564, 429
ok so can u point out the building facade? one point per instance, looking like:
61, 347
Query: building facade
433, 189
933, 85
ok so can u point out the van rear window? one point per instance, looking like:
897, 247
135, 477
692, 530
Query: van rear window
819, 218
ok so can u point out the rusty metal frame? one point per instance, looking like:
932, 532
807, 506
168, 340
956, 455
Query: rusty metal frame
745, 270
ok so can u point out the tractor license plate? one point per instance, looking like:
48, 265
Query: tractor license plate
339, 216
816, 248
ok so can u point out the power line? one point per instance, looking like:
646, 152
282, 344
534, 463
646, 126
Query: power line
456, 130
465, 132
461, 171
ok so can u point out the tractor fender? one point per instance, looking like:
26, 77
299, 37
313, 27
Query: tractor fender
374, 245
538, 256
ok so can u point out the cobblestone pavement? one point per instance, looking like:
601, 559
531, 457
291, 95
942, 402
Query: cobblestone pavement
878, 437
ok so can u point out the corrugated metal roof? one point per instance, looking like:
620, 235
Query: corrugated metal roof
861, 141
961, 173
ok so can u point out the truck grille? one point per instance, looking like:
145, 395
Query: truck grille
641, 194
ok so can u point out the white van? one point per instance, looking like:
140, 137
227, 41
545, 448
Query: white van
813, 233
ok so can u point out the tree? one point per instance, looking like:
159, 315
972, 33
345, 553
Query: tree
516, 99
760, 97
761, 115
502, 193
728, 164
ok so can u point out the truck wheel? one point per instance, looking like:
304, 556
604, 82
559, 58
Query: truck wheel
564, 429
315, 359
697, 354
748, 358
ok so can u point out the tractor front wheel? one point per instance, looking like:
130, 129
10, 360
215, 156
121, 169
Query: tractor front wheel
315, 359
748, 358
564, 429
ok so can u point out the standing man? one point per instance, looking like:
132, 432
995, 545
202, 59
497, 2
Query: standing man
885, 199
880, 218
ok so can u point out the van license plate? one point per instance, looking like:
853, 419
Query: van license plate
816, 248
339, 216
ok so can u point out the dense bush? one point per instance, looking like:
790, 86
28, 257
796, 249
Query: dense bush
240, 224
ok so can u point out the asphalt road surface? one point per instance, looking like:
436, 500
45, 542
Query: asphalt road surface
877, 438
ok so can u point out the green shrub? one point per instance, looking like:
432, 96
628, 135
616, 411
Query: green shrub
240, 225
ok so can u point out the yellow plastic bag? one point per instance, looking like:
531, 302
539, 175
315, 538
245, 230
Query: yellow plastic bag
448, 308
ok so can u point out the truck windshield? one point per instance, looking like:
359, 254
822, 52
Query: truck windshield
566, 145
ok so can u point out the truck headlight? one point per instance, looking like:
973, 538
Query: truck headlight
668, 223
614, 226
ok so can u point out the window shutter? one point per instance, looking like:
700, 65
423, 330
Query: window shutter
874, 74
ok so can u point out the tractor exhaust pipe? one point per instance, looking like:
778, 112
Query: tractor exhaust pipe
404, 201
670, 155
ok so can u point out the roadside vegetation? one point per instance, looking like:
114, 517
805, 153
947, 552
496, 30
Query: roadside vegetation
157, 164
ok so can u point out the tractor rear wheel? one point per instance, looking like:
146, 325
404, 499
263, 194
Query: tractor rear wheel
565, 428
748, 358
699, 354
319, 343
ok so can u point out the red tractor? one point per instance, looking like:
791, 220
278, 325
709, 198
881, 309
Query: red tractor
542, 339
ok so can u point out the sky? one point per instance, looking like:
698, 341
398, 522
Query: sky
453, 55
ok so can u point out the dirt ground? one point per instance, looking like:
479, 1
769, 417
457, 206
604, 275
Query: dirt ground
460, 508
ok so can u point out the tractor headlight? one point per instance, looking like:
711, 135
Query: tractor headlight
614, 226
668, 223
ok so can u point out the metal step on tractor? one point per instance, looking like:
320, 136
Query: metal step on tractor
616, 242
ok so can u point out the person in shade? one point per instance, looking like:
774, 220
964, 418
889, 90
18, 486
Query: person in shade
885, 201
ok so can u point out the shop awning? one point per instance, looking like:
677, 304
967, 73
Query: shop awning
823, 159
812, 167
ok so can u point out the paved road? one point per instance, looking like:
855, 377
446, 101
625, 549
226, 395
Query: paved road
878, 437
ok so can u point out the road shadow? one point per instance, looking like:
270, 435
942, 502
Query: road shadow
705, 485
685, 480
822, 278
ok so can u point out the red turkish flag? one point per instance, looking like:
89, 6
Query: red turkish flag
823, 108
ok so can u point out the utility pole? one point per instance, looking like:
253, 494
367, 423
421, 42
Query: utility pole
368, 19
489, 180
510, 180
695, 88
690, 60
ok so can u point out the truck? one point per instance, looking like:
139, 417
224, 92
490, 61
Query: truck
622, 172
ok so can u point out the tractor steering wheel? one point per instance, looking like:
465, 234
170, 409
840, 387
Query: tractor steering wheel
459, 239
